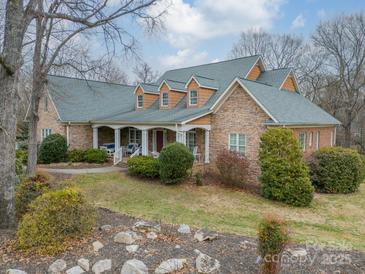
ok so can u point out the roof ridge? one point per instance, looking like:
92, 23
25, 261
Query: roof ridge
89, 80
151, 84
213, 63
257, 82
175, 81
205, 77
278, 69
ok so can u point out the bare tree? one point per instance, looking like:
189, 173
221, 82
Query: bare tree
58, 24
343, 41
144, 73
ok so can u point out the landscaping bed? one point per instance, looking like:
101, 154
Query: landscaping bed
74, 165
236, 254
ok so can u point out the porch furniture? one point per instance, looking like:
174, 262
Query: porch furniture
155, 154
109, 147
132, 147
197, 156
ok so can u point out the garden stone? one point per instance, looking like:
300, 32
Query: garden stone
147, 226
126, 237
171, 265
206, 264
97, 246
151, 235
184, 229
101, 266
177, 246
132, 248
75, 270
84, 264
15, 271
298, 252
57, 266
200, 235
106, 227
134, 267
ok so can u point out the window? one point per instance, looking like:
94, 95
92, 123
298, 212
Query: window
165, 99
140, 101
237, 142
193, 97
45, 103
310, 141
45, 132
302, 140
191, 139
317, 140
135, 136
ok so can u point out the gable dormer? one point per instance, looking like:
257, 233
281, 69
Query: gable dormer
290, 83
200, 89
171, 92
256, 70
145, 95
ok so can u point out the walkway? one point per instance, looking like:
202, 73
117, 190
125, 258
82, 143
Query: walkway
83, 170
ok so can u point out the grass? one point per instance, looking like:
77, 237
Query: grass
332, 219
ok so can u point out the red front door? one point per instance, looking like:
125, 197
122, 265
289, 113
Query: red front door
159, 140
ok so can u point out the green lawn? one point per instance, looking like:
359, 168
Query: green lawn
332, 219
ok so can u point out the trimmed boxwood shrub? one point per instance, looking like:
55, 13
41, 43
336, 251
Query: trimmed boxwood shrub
336, 170
175, 161
145, 166
76, 155
22, 155
273, 236
284, 174
52, 219
233, 168
94, 155
53, 149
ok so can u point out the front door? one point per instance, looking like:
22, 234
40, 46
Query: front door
159, 140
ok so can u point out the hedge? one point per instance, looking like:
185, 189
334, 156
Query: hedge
144, 166
53, 149
94, 155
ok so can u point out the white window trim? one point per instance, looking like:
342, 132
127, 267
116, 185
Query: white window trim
317, 140
45, 132
331, 138
189, 135
310, 141
190, 104
162, 101
138, 106
304, 141
133, 131
237, 142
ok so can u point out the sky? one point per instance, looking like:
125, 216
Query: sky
204, 31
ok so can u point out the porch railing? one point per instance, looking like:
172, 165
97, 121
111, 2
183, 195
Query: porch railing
118, 156
136, 152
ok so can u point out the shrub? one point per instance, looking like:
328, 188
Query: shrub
284, 174
94, 155
336, 170
76, 155
273, 237
175, 161
18, 167
22, 155
53, 149
199, 178
52, 219
144, 166
233, 167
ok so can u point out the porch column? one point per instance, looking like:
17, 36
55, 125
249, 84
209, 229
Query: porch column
117, 138
145, 142
95, 137
206, 143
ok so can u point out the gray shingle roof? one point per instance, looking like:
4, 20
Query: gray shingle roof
274, 77
207, 82
176, 85
150, 88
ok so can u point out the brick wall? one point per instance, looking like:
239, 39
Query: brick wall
81, 136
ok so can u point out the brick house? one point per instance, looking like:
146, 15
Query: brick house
210, 107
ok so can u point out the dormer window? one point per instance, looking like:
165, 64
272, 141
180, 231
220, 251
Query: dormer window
140, 101
165, 99
193, 97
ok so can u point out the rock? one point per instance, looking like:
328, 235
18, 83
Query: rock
171, 265
106, 227
247, 244
184, 229
75, 270
101, 266
97, 246
134, 267
177, 246
84, 264
15, 271
200, 235
132, 248
57, 266
126, 237
151, 235
147, 226
298, 252
206, 264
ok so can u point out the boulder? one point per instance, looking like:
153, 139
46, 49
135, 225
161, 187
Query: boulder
134, 267
206, 264
15, 271
84, 264
184, 229
106, 227
102, 266
147, 226
97, 246
132, 248
75, 270
151, 235
201, 235
126, 237
170, 266
57, 266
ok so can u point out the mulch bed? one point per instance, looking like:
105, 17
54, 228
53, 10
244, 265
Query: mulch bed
237, 254
74, 165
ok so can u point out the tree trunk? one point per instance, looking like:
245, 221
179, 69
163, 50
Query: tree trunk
347, 135
10, 61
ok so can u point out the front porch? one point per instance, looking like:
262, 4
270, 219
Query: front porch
130, 140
